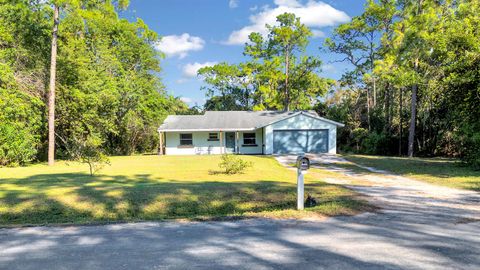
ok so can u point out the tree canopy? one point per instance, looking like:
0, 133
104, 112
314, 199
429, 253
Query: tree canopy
415, 69
424, 63
107, 86
277, 74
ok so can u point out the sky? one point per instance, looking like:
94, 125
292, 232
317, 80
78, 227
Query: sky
197, 33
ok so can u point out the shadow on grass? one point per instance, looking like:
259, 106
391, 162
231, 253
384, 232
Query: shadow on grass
80, 198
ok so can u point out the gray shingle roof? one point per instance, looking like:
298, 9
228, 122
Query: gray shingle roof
228, 120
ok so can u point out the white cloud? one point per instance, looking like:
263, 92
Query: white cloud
190, 70
314, 14
180, 45
181, 80
186, 99
329, 68
317, 33
233, 3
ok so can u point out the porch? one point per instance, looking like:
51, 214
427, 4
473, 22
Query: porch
212, 142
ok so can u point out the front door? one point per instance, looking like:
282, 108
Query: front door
230, 142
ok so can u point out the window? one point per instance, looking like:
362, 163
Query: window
249, 139
213, 136
186, 139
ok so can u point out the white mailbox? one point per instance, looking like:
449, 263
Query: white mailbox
303, 164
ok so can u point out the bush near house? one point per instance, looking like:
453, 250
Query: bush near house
234, 164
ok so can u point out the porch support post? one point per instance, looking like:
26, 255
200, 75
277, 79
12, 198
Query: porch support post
160, 147
221, 142
237, 146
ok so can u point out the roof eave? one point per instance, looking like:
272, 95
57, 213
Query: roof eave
205, 129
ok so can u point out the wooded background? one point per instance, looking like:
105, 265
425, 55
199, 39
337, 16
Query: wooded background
414, 86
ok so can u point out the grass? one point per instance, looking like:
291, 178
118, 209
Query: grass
161, 187
440, 171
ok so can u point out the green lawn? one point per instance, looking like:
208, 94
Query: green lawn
441, 171
160, 187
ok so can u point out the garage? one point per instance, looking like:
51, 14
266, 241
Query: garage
300, 141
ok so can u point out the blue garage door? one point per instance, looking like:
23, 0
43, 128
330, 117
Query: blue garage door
300, 141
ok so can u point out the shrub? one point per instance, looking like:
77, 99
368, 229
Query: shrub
17, 145
472, 150
88, 150
375, 144
233, 164
358, 136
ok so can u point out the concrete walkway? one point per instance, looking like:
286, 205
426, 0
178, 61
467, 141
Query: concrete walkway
417, 228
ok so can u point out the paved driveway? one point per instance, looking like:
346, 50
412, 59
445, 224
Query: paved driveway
419, 227
403, 198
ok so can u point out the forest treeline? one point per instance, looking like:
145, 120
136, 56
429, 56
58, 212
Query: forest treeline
413, 89
107, 88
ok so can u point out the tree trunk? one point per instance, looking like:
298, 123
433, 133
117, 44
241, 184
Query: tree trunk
386, 107
368, 109
400, 110
287, 94
51, 96
413, 117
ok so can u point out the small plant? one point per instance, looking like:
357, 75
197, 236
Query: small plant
234, 164
310, 201
89, 151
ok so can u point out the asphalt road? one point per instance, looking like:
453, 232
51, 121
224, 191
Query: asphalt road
367, 241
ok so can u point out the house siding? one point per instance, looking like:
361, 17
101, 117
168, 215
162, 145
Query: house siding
252, 149
201, 144
301, 122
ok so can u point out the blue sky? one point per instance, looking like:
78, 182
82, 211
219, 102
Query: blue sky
204, 32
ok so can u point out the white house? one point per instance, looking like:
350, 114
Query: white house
248, 132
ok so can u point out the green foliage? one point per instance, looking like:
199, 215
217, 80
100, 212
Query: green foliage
20, 124
233, 164
107, 81
277, 76
358, 136
431, 46
17, 146
375, 143
88, 150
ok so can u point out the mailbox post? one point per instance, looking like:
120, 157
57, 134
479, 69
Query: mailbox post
303, 164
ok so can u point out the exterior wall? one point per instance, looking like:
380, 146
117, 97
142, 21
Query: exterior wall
301, 122
202, 144
251, 149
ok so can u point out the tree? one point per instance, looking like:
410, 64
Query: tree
87, 149
358, 41
51, 93
283, 40
106, 79
277, 76
426, 58
227, 86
